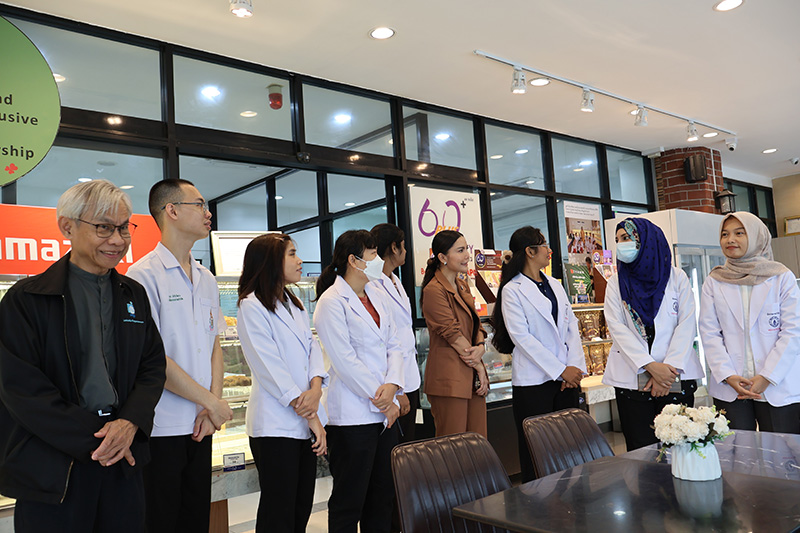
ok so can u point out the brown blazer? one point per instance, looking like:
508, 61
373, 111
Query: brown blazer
449, 315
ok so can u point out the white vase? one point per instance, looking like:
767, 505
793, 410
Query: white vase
701, 464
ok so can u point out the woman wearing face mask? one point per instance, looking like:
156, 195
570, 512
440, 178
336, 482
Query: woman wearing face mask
456, 380
650, 313
355, 327
391, 244
284, 418
755, 370
533, 321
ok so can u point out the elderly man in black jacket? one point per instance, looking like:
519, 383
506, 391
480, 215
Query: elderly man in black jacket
81, 370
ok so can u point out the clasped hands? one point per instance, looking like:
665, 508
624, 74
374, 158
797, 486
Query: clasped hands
748, 389
662, 376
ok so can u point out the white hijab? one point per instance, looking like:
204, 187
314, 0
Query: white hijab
756, 265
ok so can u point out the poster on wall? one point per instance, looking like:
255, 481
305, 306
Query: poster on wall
584, 235
434, 210
30, 107
30, 241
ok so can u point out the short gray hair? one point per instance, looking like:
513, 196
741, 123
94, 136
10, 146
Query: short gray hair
92, 199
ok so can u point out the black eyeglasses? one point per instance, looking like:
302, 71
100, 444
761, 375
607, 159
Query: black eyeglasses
104, 231
201, 205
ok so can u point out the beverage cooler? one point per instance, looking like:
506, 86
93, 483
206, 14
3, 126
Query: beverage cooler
694, 239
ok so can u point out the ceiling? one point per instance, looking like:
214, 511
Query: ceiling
738, 70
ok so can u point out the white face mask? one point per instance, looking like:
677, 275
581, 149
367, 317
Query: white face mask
627, 251
374, 268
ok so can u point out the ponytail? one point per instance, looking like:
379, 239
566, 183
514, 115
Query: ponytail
352, 242
441, 244
513, 264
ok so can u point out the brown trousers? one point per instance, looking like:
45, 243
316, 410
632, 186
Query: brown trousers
458, 415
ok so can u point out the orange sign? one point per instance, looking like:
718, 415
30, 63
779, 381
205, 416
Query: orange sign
30, 240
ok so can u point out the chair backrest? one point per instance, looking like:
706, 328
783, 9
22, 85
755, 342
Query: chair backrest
564, 439
433, 476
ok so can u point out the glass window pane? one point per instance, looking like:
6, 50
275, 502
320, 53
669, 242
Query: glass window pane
345, 192
439, 139
100, 75
308, 249
622, 210
626, 176
64, 167
575, 166
363, 220
515, 158
215, 177
296, 196
347, 121
224, 98
513, 211
742, 197
247, 211
764, 201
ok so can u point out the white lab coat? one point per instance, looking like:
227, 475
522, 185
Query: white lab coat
400, 309
363, 356
675, 332
283, 357
774, 331
542, 349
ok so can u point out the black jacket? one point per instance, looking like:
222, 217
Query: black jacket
43, 429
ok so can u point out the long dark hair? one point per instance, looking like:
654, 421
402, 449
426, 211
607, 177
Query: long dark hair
262, 271
518, 244
441, 244
354, 242
385, 235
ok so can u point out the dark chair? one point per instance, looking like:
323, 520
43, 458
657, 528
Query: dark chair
433, 476
564, 439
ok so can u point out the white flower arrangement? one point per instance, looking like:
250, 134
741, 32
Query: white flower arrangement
679, 424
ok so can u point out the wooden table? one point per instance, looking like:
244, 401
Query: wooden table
759, 491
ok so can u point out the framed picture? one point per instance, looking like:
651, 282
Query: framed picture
792, 225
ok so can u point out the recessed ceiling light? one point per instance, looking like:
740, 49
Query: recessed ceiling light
441, 136
248, 114
769, 151
391, 141
530, 182
727, 5
381, 33
84, 180
278, 197
58, 77
710, 134
126, 187
114, 121
411, 184
540, 82
342, 118
521, 151
384, 208
349, 204
492, 194
579, 169
242, 8
496, 156
585, 163
210, 92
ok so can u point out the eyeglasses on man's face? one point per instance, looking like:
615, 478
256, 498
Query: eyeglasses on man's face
201, 204
104, 231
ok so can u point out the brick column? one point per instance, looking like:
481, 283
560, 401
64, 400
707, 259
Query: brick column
673, 190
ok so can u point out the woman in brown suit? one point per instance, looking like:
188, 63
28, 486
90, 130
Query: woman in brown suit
456, 380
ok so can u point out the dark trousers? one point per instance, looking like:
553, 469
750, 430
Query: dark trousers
99, 499
287, 473
177, 485
638, 409
408, 422
363, 490
743, 414
532, 400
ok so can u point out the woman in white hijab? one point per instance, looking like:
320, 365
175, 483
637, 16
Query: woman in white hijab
755, 370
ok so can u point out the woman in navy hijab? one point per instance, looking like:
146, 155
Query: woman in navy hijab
650, 313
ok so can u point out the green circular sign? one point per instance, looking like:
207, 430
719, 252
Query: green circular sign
30, 107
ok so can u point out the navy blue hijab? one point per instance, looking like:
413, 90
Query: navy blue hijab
643, 281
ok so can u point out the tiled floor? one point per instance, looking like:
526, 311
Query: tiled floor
242, 510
